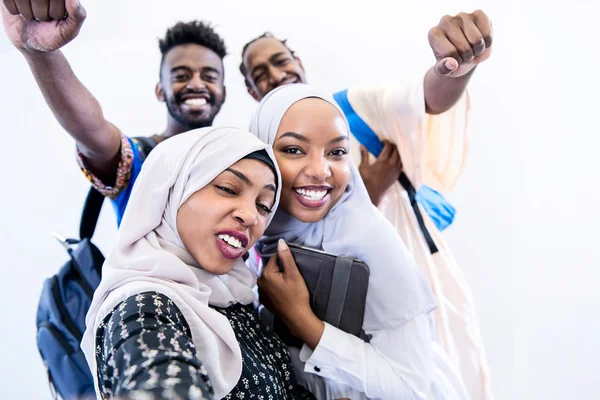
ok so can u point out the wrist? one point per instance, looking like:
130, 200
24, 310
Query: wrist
375, 199
373, 191
307, 327
32, 55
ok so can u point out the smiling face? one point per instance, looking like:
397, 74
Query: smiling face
311, 147
269, 64
192, 85
224, 219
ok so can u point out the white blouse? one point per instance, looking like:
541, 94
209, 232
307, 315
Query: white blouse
413, 367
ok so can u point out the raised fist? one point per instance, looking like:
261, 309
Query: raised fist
461, 42
41, 25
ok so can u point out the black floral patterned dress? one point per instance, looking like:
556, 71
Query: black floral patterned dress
267, 371
144, 350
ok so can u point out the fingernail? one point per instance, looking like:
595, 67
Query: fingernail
450, 65
281, 245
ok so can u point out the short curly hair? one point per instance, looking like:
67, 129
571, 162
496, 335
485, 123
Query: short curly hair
243, 68
196, 32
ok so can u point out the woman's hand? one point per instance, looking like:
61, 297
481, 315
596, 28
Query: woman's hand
285, 294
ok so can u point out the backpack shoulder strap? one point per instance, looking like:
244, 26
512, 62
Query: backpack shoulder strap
90, 213
95, 199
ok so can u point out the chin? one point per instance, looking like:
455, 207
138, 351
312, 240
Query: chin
197, 119
221, 267
309, 216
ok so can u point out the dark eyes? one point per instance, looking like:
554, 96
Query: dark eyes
231, 192
264, 208
292, 150
296, 151
226, 190
262, 75
181, 77
338, 152
184, 77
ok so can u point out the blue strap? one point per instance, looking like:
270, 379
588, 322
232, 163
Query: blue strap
361, 131
434, 203
436, 206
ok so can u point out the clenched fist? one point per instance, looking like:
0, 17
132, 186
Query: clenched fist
461, 42
41, 25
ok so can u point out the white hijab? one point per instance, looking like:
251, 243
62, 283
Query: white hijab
354, 227
150, 256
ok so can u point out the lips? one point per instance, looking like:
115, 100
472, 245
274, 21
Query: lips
312, 196
194, 101
232, 244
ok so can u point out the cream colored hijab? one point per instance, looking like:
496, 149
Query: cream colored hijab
150, 256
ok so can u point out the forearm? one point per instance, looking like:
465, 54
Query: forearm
74, 107
441, 93
147, 351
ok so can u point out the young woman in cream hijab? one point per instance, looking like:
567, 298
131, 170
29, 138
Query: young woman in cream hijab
324, 205
173, 315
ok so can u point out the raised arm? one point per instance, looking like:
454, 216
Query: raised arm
147, 351
38, 29
459, 43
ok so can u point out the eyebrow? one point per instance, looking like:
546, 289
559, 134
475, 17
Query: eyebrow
338, 139
188, 69
243, 177
247, 181
174, 69
295, 135
274, 56
303, 138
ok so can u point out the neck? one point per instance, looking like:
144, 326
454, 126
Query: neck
174, 128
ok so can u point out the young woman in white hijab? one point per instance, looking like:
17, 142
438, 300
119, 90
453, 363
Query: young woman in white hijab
324, 205
173, 315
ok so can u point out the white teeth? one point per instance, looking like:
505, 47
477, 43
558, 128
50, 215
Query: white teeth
231, 241
312, 194
195, 102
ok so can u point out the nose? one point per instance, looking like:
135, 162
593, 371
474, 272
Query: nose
276, 75
246, 214
317, 168
196, 82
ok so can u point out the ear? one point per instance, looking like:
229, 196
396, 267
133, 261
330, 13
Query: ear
224, 93
254, 94
251, 91
160, 93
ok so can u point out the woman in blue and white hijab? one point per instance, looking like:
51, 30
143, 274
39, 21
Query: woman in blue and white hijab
324, 205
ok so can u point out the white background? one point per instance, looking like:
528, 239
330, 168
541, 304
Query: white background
528, 201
